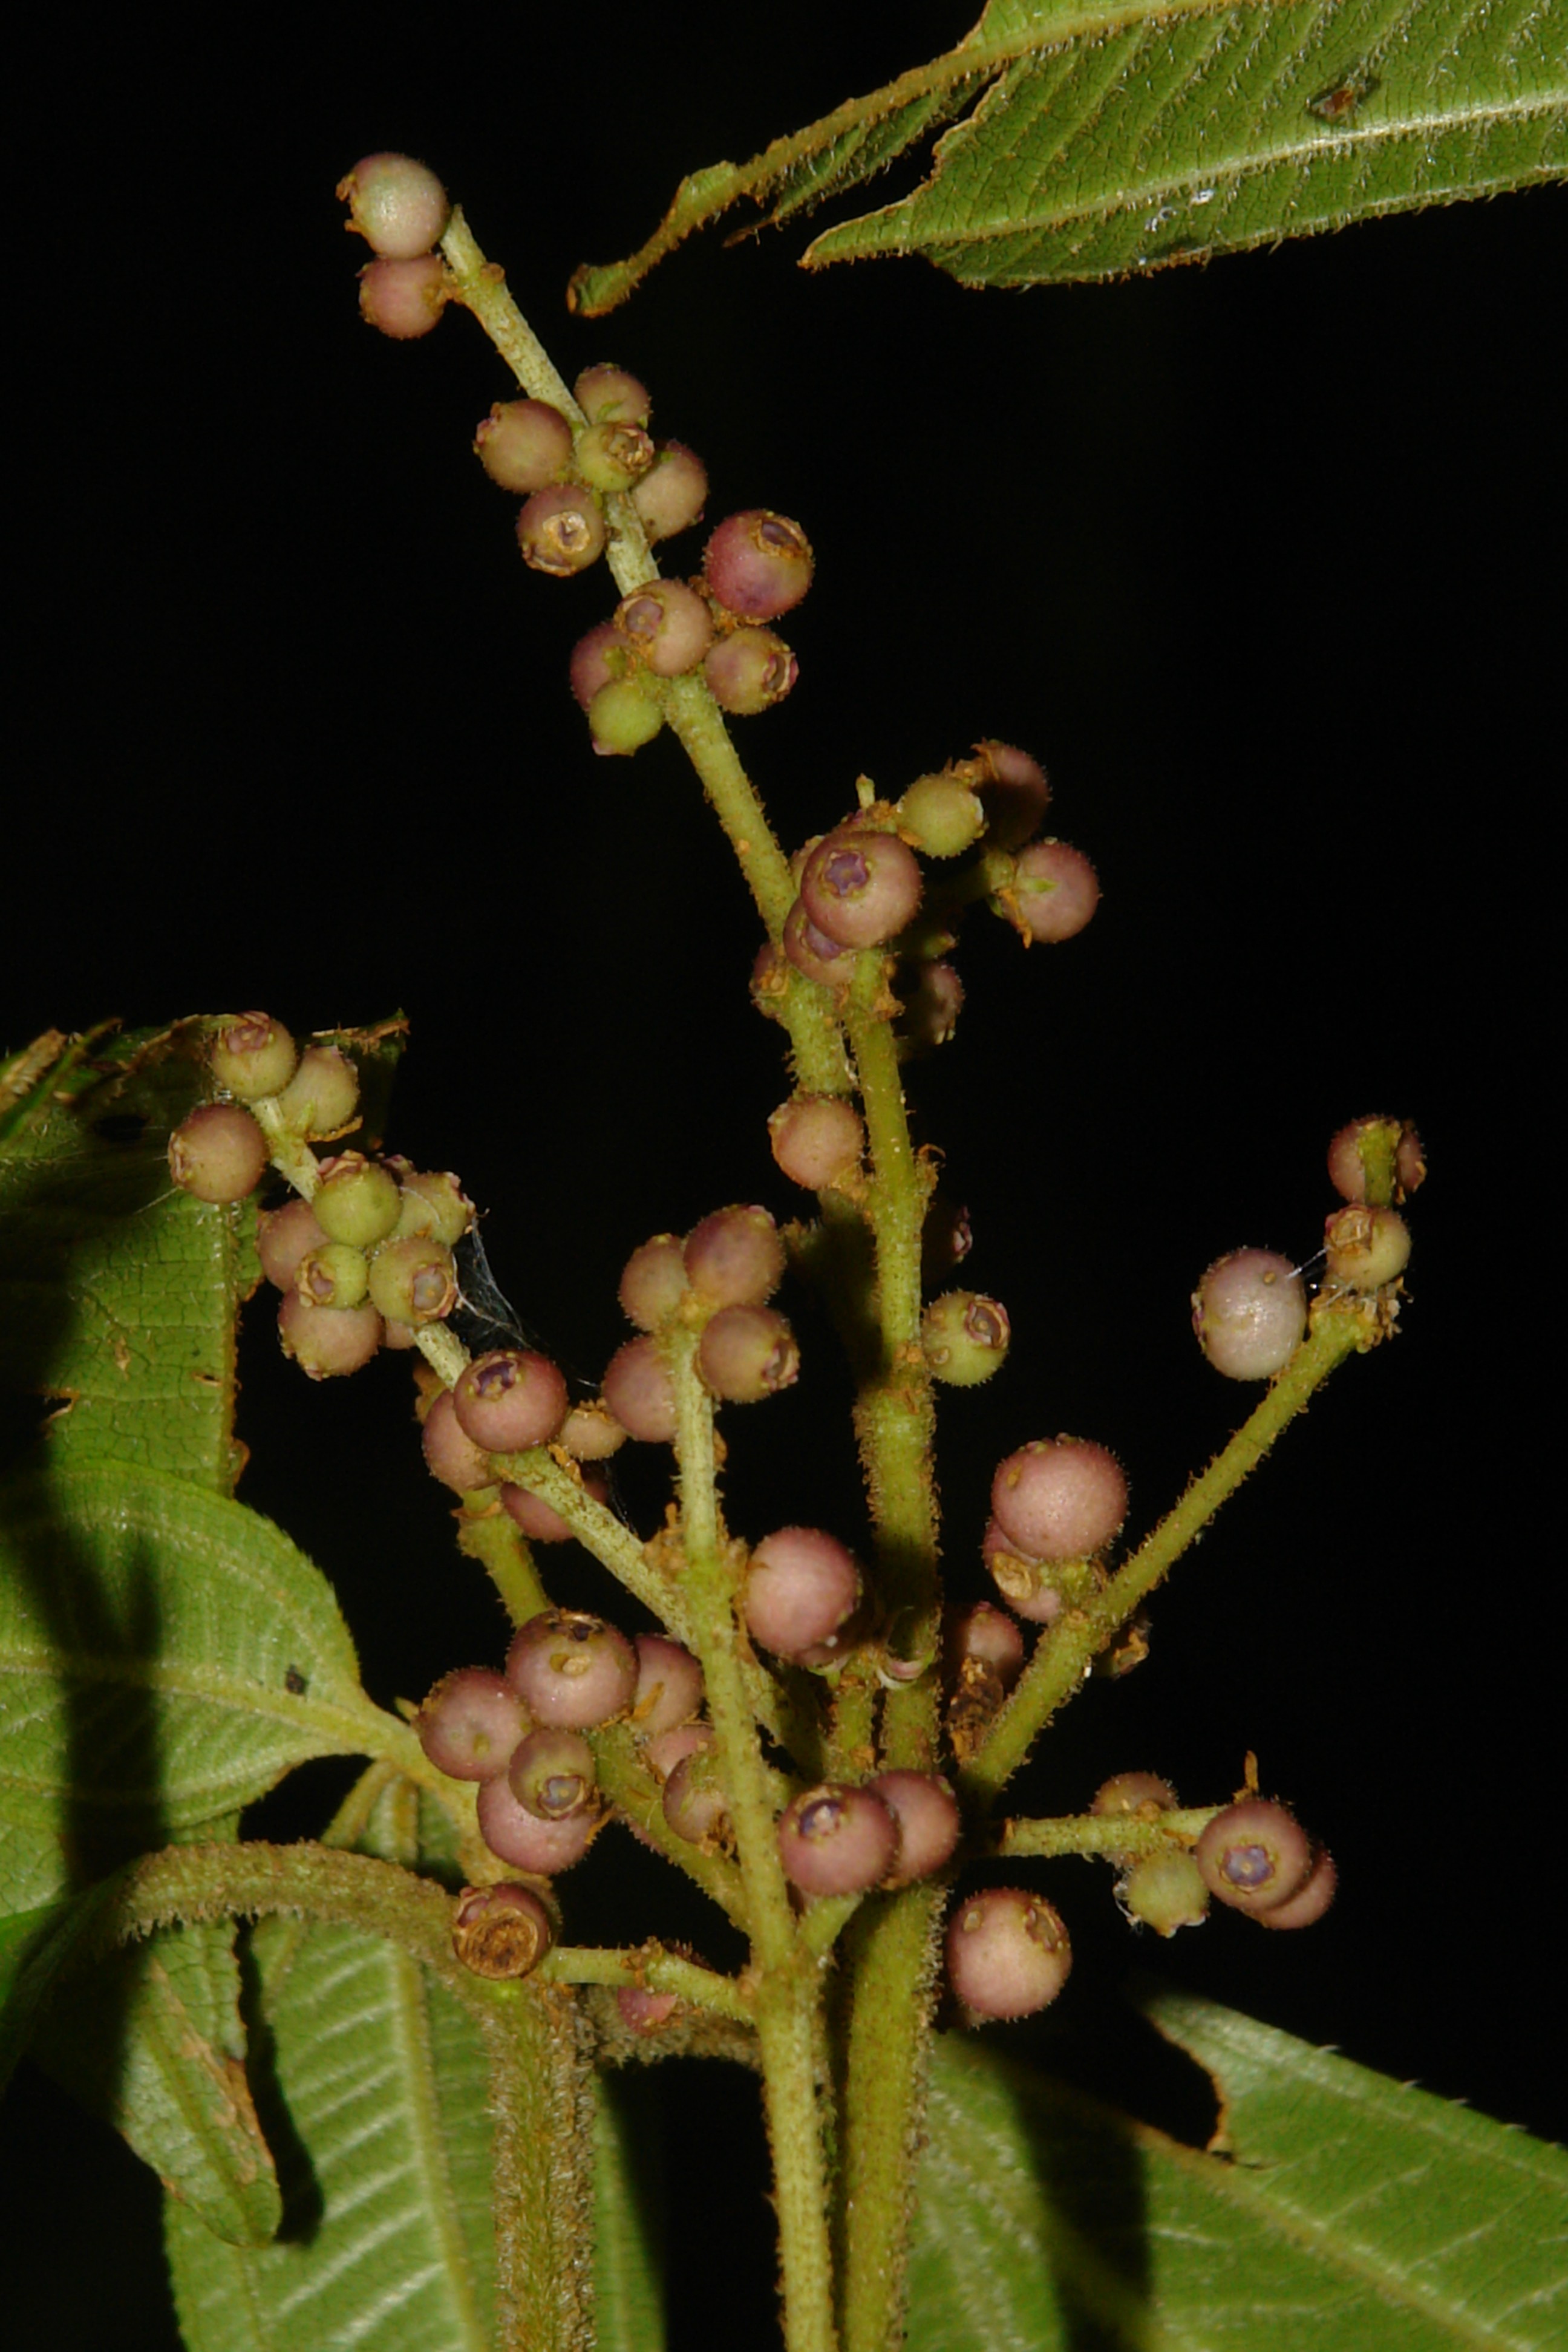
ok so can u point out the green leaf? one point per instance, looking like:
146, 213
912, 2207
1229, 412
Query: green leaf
1123, 138
35, 1948
118, 1292
1352, 2212
166, 1657
628, 2271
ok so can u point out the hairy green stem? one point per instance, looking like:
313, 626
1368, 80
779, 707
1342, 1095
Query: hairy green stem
1107, 1834
498, 1543
653, 1967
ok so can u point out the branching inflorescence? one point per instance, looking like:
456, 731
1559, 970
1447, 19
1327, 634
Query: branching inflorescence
806, 1731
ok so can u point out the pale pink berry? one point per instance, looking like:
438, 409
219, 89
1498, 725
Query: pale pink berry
836, 1840
217, 1153
399, 206
402, 298
572, 1669
802, 1585
1249, 1312
818, 1140
1059, 1498
1054, 892
1007, 1953
511, 1400
926, 1816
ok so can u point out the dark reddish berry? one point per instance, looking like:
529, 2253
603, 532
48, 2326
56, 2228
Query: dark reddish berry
399, 206
521, 1839
402, 298
572, 1669
524, 444
1311, 1898
470, 1723
735, 1258
669, 1685
1007, 1953
669, 623
758, 564
642, 2011
561, 529
1249, 1312
813, 953
1012, 792
818, 1140
836, 1840
357, 1201
1364, 1248
217, 1153
638, 1393
612, 457
1059, 1498
802, 1587
551, 1773
747, 1353
861, 888
671, 495
1166, 1892
926, 1817
653, 1282
1254, 1855
321, 1097
1054, 892
501, 1931
609, 394
284, 1236
1380, 1160
749, 670
965, 1337
941, 815
253, 1056
414, 1280
511, 1400
326, 1341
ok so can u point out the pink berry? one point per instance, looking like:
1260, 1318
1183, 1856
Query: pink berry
572, 1669
450, 1455
327, 1341
758, 564
398, 207
217, 1153
669, 623
1007, 1953
836, 1840
985, 1636
926, 1816
1249, 1312
283, 1237
537, 1520
511, 1400
653, 1282
1390, 1146
551, 1773
859, 886
470, 1723
402, 298
601, 659
1254, 1855
1054, 892
812, 952
561, 529
930, 1000
749, 670
642, 2011
1025, 1584
1012, 792
747, 1353
818, 1140
1059, 1498
670, 497
802, 1586
524, 444
1311, 1898
521, 1839
735, 1258
638, 1393
668, 1687
609, 394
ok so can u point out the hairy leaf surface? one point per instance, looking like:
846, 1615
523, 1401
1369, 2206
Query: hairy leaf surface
1125, 138
1348, 2211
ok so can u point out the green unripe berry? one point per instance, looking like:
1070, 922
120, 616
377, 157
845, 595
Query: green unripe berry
1165, 1891
356, 1201
941, 815
322, 1096
335, 1275
613, 456
434, 1204
414, 1280
1365, 1247
965, 1337
253, 1056
623, 716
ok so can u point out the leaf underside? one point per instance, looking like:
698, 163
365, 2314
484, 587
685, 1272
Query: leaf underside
1118, 140
1349, 2211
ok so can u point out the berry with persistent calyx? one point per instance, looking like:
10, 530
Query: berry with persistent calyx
538, 1520
669, 1685
561, 529
1012, 792
927, 1818
450, 1455
638, 1393
613, 456
946, 1238
283, 1237
1249, 1312
433, 1203
609, 394
735, 1258
326, 1341
524, 444
1054, 892
1311, 1898
696, 1806
653, 1282
1027, 1585
861, 888
1363, 1248
983, 1638
930, 1002
965, 1337
510, 1400
813, 953
622, 716
397, 205
591, 1433
1142, 1793
414, 1280
1165, 1891
521, 1839
1388, 1150
470, 1723
1059, 1498
217, 1153
747, 1353
253, 1056
1007, 1953
802, 1588
818, 1140
941, 815
322, 1096
501, 1931
1254, 1855
758, 564
356, 1201
663, 1751
671, 494
402, 298
603, 657
749, 670
572, 1669
334, 1275
669, 623
551, 1773
836, 1840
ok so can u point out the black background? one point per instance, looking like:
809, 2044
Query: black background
1263, 560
